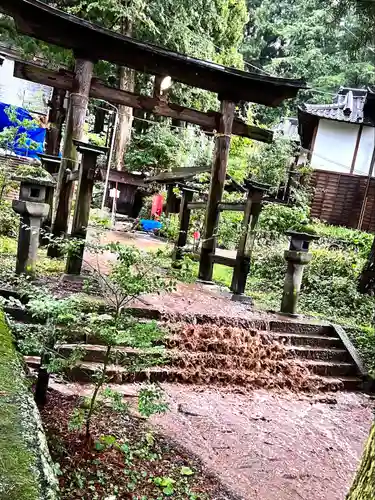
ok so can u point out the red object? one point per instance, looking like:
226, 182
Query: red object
196, 235
157, 205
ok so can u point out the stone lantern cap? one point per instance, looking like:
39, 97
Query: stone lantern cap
33, 183
300, 241
300, 235
85, 147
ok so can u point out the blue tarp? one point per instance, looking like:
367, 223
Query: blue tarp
37, 134
150, 225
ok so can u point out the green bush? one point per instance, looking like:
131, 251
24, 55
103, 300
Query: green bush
276, 219
364, 341
229, 230
8, 246
100, 218
329, 285
344, 237
170, 227
9, 220
269, 266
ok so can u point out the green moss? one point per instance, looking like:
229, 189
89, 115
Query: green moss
21, 470
363, 487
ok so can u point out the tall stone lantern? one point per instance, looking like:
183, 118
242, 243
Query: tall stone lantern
297, 256
32, 210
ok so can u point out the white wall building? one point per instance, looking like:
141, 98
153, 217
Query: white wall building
340, 137
17, 92
339, 141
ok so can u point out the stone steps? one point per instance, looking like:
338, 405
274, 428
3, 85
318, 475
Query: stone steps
298, 339
205, 353
331, 368
85, 371
319, 353
96, 353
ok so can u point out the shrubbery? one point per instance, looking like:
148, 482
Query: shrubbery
170, 227
343, 237
9, 220
329, 286
229, 230
277, 219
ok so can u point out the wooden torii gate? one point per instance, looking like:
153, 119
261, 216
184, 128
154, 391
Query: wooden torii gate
91, 43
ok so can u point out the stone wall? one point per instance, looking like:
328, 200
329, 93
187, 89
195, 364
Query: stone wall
26, 469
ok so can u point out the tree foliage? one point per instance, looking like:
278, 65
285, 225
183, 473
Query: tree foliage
163, 148
311, 39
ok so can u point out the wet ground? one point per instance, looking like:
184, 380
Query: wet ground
192, 298
268, 446
265, 445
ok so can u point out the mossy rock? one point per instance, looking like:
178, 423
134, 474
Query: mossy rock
26, 469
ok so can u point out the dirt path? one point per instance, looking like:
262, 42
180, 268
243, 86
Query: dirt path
267, 446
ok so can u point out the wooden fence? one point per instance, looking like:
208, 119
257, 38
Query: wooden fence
340, 198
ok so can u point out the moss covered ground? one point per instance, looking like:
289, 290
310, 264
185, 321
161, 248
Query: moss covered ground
23, 464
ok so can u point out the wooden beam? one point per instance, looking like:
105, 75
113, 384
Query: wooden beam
224, 261
253, 207
218, 176
79, 96
231, 207
197, 205
222, 207
355, 153
208, 121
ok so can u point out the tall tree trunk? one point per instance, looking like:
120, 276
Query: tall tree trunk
56, 119
124, 127
364, 483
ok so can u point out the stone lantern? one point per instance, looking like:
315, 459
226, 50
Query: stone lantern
32, 210
297, 257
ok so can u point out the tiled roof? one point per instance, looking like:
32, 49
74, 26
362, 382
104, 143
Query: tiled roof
348, 106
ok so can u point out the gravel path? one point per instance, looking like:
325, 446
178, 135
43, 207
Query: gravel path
267, 446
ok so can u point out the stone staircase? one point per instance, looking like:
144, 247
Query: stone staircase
281, 354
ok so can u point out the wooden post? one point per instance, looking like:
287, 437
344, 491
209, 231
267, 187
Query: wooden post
170, 203
100, 114
218, 173
56, 119
83, 202
187, 197
74, 131
51, 164
253, 207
